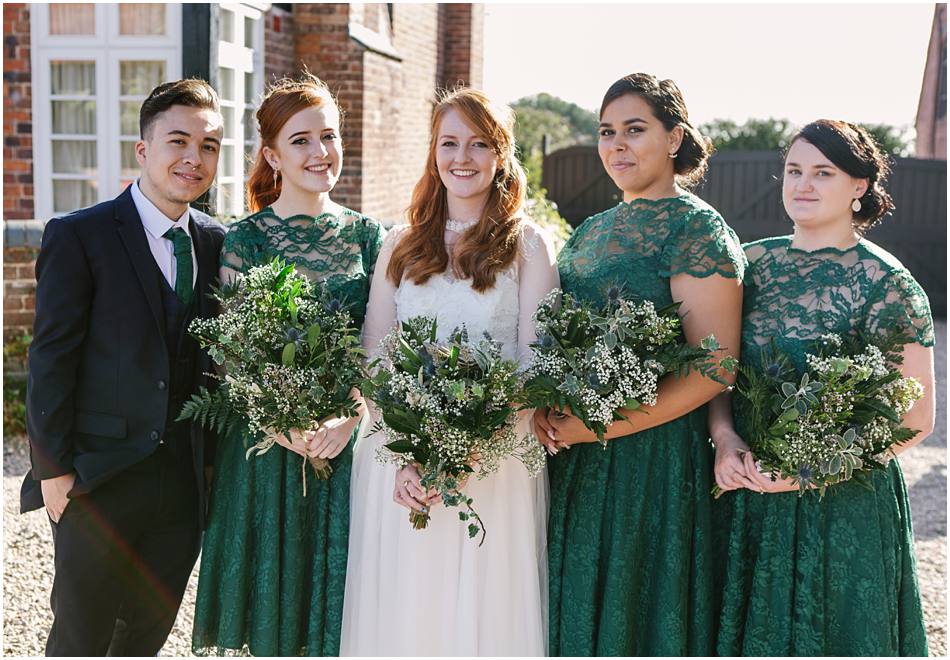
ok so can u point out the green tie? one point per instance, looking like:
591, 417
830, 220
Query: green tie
183, 286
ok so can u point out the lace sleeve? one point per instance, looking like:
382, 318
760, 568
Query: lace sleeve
703, 245
381, 308
372, 244
537, 276
244, 247
901, 305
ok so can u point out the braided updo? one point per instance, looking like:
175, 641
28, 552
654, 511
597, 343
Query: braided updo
852, 150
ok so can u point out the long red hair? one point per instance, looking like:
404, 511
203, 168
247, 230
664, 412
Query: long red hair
491, 245
283, 100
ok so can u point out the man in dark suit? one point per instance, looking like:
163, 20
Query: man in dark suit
110, 365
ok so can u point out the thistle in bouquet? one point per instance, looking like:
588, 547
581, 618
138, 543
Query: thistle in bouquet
290, 357
449, 408
596, 360
836, 421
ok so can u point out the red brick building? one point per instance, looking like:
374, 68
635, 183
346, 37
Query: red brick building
75, 74
931, 121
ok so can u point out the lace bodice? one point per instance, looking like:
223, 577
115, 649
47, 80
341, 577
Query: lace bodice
795, 296
504, 311
641, 244
338, 250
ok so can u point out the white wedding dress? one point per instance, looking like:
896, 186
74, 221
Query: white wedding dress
435, 592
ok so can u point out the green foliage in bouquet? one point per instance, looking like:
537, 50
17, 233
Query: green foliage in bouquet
290, 356
448, 408
597, 360
834, 422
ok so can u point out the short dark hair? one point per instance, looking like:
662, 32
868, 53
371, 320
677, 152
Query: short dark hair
191, 92
852, 150
666, 101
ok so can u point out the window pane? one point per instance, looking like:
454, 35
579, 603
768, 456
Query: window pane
141, 18
226, 192
67, 18
129, 117
140, 78
249, 91
72, 78
74, 157
72, 195
227, 160
128, 166
227, 26
249, 32
226, 84
250, 125
74, 117
227, 114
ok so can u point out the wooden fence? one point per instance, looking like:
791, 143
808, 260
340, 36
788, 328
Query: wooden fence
746, 187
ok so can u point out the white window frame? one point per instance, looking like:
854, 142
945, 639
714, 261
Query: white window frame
106, 48
241, 59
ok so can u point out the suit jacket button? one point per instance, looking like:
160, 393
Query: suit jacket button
154, 435
162, 385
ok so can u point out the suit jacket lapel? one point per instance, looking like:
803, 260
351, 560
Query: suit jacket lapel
132, 234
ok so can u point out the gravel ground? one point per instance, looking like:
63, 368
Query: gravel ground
28, 566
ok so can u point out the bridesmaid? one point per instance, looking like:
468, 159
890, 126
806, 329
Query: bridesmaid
629, 539
273, 564
834, 576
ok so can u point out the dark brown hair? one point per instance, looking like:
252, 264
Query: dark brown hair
852, 150
283, 100
491, 245
666, 101
191, 92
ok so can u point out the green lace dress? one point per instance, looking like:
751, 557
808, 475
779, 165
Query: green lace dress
630, 560
834, 576
273, 563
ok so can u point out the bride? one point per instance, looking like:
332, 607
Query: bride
468, 257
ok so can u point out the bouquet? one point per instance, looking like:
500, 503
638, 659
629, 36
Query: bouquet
834, 422
448, 407
290, 356
596, 361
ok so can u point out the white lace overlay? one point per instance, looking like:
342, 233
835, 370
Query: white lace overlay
435, 591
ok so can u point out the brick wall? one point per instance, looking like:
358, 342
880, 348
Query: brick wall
931, 124
279, 35
323, 44
398, 97
17, 113
19, 287
461, 36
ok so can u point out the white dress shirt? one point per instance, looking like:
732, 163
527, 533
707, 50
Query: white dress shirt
156, 224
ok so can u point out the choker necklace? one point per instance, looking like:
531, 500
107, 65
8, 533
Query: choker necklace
459, 225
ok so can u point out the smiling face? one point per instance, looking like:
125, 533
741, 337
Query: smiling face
308, 151
179, 157
817, 193
465, 161
635, 148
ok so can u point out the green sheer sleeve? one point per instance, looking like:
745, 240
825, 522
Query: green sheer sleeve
901, 304
702, 244
244, 247
374, 235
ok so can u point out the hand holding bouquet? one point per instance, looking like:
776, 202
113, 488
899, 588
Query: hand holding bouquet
290, 354
596, 361
834, 422
448, 407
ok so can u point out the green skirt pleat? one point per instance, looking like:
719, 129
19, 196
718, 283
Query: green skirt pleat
630, 548
810, 576
273, 562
